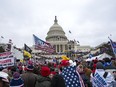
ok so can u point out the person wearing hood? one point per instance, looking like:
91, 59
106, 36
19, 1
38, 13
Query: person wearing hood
43, 79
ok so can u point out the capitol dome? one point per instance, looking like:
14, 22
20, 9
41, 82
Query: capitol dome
56, 32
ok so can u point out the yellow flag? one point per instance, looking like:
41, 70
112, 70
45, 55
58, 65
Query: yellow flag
27, 54
65, 57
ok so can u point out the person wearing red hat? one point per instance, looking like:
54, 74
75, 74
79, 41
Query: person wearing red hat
65, 63
43, 79
45, 71
56, 79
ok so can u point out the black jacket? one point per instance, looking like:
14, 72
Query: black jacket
43, 81
58, 81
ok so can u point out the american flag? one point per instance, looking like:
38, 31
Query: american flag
72, 77
42, 45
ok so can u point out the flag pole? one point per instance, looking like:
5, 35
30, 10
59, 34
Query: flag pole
33, 47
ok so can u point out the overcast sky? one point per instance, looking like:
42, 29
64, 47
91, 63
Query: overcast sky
90, 21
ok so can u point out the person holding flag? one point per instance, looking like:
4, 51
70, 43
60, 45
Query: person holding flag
71, 75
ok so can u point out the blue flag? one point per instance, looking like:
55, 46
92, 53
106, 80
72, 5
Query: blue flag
113, 44
38, 41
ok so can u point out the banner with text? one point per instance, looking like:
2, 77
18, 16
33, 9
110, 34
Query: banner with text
98, 80
6, 59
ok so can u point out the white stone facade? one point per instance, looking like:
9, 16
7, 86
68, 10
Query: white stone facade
56, 36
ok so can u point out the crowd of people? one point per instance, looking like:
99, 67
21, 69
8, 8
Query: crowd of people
66, 73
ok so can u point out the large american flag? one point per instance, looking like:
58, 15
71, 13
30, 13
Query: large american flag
72, 77
42, 45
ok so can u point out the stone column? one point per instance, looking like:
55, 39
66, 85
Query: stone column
56, 48
63, 47
59, 48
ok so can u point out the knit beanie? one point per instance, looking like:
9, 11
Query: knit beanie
16, 75
45, 71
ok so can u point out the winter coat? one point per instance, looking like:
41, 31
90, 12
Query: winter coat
58, 81
17, 82
43, 81
29, 79
84, 78
88, 72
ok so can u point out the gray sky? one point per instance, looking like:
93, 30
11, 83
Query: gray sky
90, 21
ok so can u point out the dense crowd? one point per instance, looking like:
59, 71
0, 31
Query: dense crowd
66, 73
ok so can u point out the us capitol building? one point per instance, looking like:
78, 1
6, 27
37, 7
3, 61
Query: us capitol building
57, 38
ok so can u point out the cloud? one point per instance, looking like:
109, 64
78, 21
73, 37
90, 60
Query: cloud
90, 21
